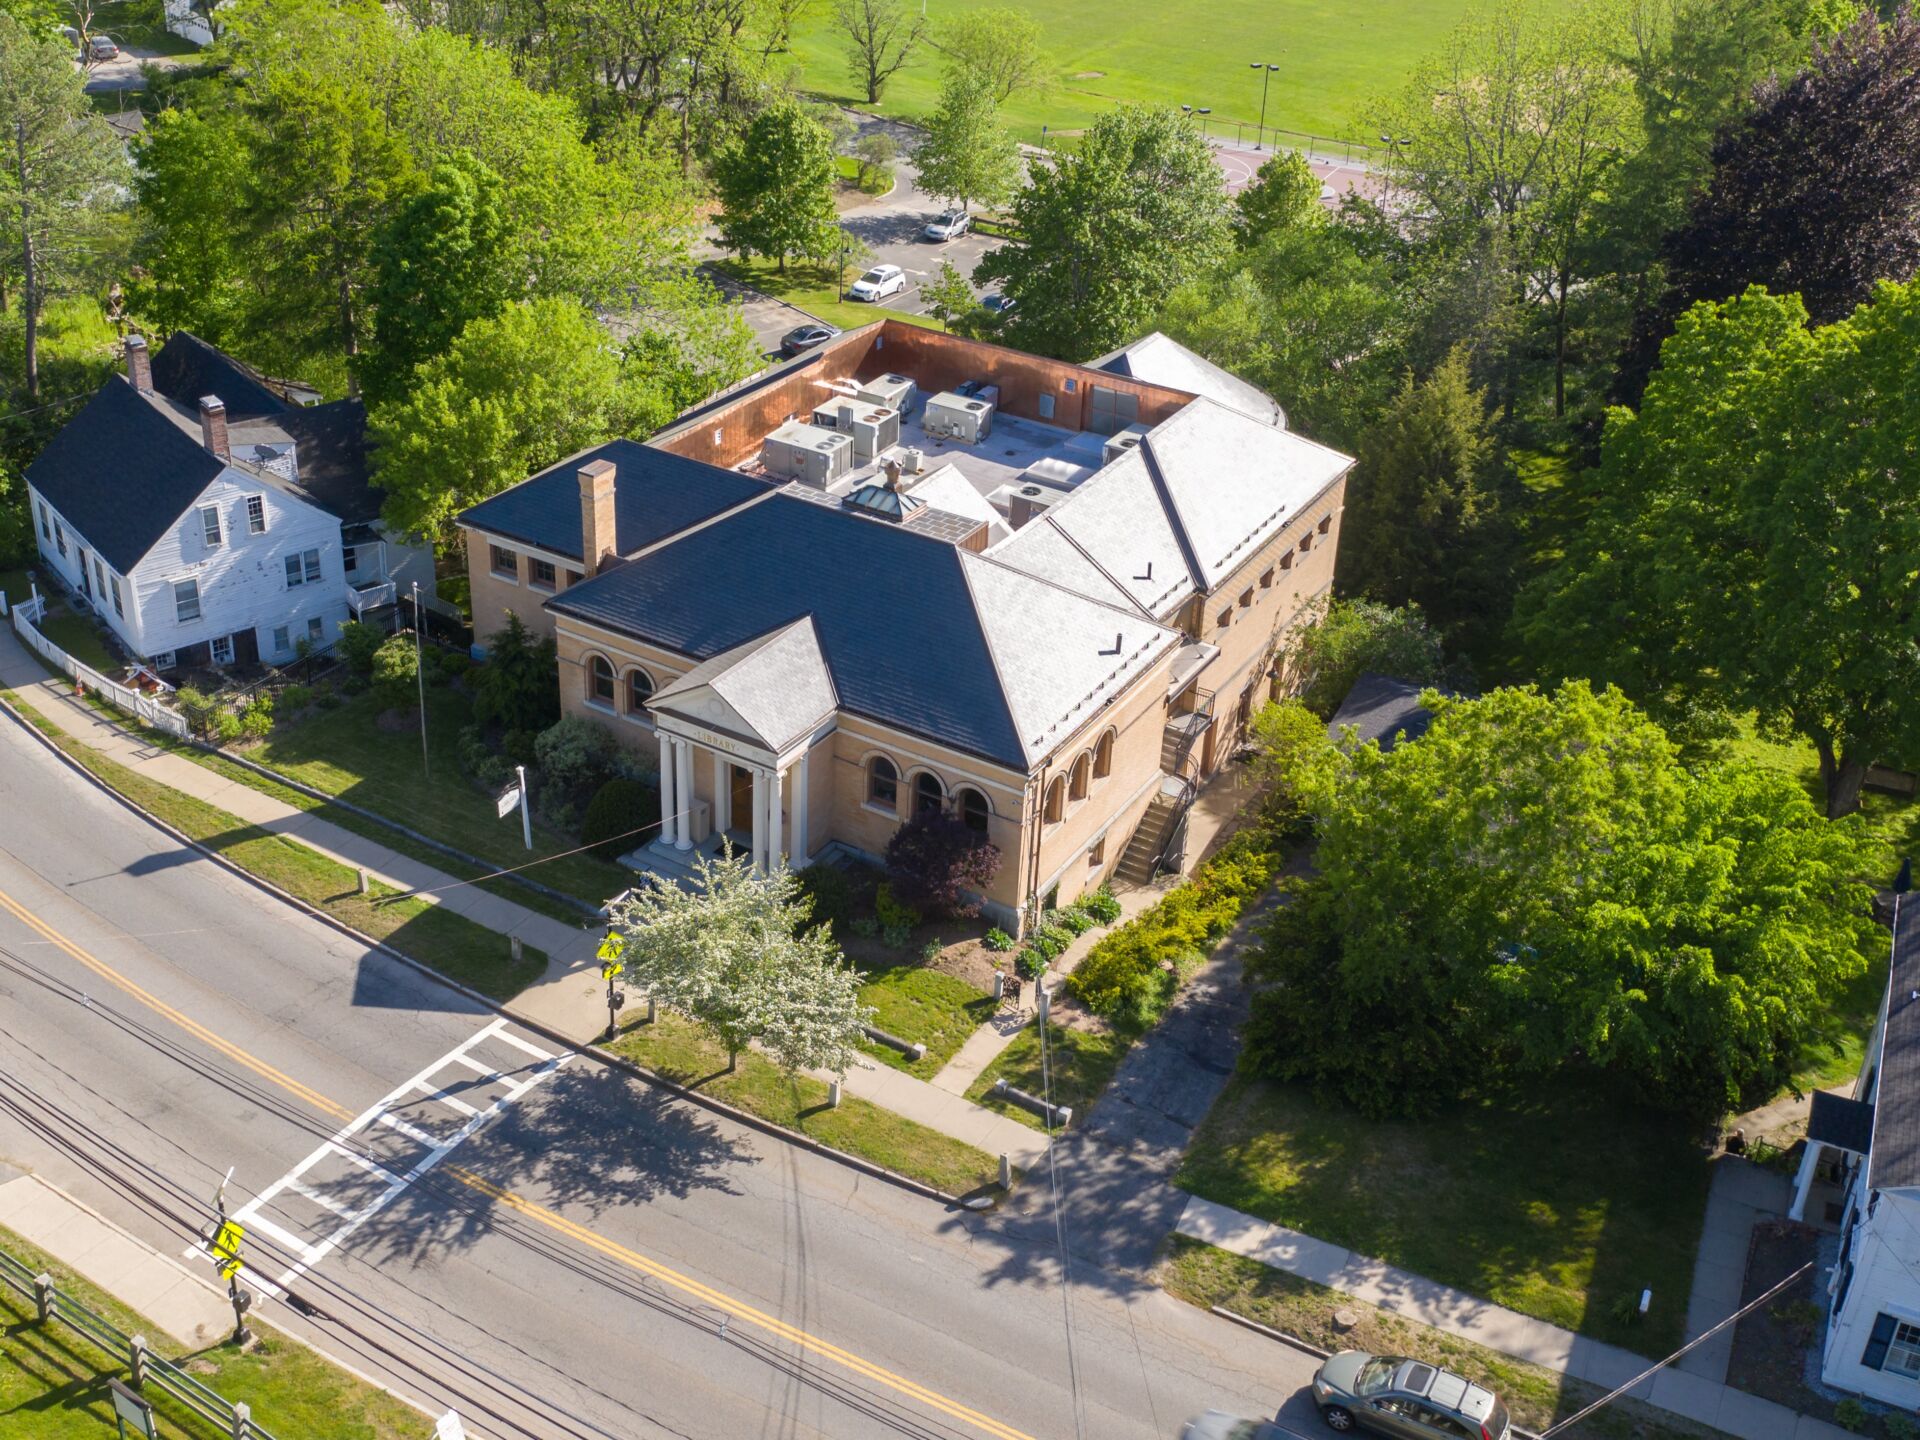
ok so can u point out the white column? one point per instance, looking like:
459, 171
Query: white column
1803, 1182
776, 821
722, 793
668, 795
759, 818
798, 850
683, 787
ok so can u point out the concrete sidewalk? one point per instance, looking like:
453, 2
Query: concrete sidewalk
188, 1307
1740, 1194
1695, 1397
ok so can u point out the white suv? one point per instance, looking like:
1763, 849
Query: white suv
878, 283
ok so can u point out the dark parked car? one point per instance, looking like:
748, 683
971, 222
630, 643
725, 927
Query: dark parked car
805, 337
997, 303
1406, 1399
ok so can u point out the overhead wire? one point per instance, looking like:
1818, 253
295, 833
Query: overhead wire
1059, 1223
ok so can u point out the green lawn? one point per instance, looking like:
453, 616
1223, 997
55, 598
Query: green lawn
929, 1006
344, 752
431, 934
1336, 57
1563, 1204
1080, 1062
80, 638
848, 168
15, 585
53, 1384
812, 288
1536, 1397
681, 1051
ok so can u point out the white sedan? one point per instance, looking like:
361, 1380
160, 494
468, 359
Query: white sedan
878, 283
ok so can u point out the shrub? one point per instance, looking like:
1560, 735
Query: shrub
357, 644
327, 698
517, 746
396, 670
1050, 939
473, 749
198, 707
998, 940
1850, 1414
1900, 1427
930, 951
452, 663
256, 721
493, 771
224, 727
1356, 636
516, 689
892, 914
934, 862
1030, 964
897, 937
617, 809
576, 757
1101, 906
295, 698
838, 896
1074, 920
866, 927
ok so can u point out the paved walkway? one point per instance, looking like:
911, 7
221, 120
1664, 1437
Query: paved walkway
569, 998
1741, 1193
187, 1307
1705, 1401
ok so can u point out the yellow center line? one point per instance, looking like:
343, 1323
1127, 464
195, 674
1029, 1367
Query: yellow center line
632, 1259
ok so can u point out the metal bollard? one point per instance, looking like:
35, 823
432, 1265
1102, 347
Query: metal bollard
833, 1095
137, 1360
999, 985
242, 1421
514, 948
363, 881
43, 1296
1006, 1172
653, 1010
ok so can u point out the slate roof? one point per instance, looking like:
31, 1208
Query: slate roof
771, 691
1161, 360
655, 494
1894, 1161
121, 473
187, 367
1383, 710
1836, 1120
331, 445
918, 634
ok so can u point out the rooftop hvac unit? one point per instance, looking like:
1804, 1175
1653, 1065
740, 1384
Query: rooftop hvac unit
807, 453
913, 460
875, 429
1027, 502
1120, 442
958, 418
893, 391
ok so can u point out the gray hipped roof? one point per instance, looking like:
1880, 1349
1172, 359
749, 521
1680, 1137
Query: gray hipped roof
1383, 710
1894, 1162
769, 692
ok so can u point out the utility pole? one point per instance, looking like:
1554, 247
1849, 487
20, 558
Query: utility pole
420, 674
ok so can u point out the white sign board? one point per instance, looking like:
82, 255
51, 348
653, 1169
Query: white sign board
509, 801
449, 1428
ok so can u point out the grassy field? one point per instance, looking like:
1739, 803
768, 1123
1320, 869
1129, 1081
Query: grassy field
344, 752
1335, 59
1203, 1275
450, 943
681, 1051
812, 288
929, 1006
1081, 1062
53, 1384
1561, 1204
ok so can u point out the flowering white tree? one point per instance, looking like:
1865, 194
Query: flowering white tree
732, 955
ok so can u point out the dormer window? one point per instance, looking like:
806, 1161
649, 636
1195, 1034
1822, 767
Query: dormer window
256, 515
210, 525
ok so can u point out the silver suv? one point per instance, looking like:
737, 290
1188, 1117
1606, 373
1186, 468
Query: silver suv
1406, 1399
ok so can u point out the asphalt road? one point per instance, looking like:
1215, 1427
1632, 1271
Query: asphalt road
560, 1251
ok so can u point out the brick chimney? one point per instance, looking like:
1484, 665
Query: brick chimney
213, 426
597, 541
139, 365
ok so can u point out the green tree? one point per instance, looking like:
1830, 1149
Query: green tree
1108, 230
733, 953
967, 156
1285, 192
1421, 516
396, 673
881, 37
1294, 755
512, 395
1747, 550
439, 261
189, 168
776, 187
1538, 883
60, 173
948, 296
1358, 636
514, 691
1000, 45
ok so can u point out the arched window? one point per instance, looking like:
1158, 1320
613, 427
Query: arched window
600, 680
1056, 800
972, 806
1103, 757
928, 793
639, 691
883, 783
1082, 773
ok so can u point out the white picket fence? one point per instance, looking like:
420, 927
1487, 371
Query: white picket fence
149, 710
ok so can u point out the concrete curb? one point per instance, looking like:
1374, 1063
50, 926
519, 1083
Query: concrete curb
538, 1027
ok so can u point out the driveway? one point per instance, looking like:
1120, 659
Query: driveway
123, 71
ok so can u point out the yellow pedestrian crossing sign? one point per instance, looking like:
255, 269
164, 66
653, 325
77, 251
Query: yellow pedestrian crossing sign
610, 951
226, 1248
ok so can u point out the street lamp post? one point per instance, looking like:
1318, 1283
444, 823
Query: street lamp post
1266, 79
420, 675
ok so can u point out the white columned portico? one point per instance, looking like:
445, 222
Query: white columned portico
683, 789
722, 793
760, 839
669, 795
797, 849
774, 837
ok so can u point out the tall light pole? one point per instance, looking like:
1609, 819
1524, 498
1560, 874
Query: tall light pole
420, 674
1265, 80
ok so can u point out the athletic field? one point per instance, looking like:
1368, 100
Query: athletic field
1336, 58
